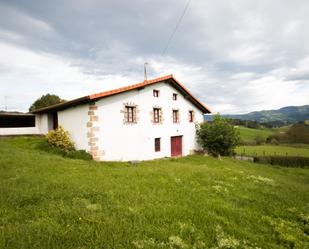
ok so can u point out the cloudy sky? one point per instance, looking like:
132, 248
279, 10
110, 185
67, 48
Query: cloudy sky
236, 56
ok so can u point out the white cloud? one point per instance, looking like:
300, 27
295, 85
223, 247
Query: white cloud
26, 75
236, 56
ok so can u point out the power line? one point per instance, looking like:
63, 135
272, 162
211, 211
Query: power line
176, 27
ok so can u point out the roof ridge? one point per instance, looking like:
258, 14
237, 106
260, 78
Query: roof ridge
133, 86
96, 96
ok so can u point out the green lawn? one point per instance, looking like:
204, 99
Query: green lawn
283, 150
48, 201
249, 134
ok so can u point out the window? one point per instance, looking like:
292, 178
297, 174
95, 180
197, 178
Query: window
191, 116
130, 114
156, 93
175, 96
175, 116
16, 120
157, 143
156, 115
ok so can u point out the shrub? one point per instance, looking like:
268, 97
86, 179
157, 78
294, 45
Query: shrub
78, 154
287, 161
75, 154
250, 143
274, 141
242, 142
60, 139
218, 137
259, 140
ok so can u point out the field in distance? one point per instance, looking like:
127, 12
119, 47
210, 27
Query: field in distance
248, 135
274, 150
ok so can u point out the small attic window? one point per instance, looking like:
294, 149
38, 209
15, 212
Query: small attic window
175, 96
191, 116
156, 93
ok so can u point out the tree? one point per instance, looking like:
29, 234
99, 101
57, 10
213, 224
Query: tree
218, 137
44, 101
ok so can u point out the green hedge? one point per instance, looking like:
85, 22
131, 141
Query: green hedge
287, 161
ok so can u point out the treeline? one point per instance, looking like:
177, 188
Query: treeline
258, 125
297, 133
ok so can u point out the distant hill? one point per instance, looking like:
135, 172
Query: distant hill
288, 114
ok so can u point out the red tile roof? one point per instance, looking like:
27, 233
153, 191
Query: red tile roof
97, 96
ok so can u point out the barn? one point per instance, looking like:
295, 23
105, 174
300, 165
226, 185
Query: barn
152, 119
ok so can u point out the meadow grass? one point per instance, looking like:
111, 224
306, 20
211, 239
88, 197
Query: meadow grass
277, 150
248, 135
48, 201
282, 128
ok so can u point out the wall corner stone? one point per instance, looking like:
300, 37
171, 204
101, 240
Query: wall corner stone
93, 133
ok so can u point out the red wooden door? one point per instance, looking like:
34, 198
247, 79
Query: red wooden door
176, 146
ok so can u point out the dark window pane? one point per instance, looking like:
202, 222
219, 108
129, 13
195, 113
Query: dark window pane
18, 120
156, 93
157, 144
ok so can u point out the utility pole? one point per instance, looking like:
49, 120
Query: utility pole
145, 70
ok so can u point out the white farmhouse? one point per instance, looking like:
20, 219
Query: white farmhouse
153, 119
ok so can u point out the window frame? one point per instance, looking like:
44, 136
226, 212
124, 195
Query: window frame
156, 93
175, 116
157, 144
191, 116
175, 96
130, 112
156, 115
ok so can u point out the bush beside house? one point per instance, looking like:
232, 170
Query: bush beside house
218, 137
59, 142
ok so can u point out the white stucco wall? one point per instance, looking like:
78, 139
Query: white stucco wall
136, 141
41, 127
74, 120
41, 122
19, 131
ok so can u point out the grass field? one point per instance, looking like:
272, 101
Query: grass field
283, 150
282, 128
48, 201
248, 135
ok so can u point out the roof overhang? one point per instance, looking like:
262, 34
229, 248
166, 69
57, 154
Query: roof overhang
15, 114
94, 97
